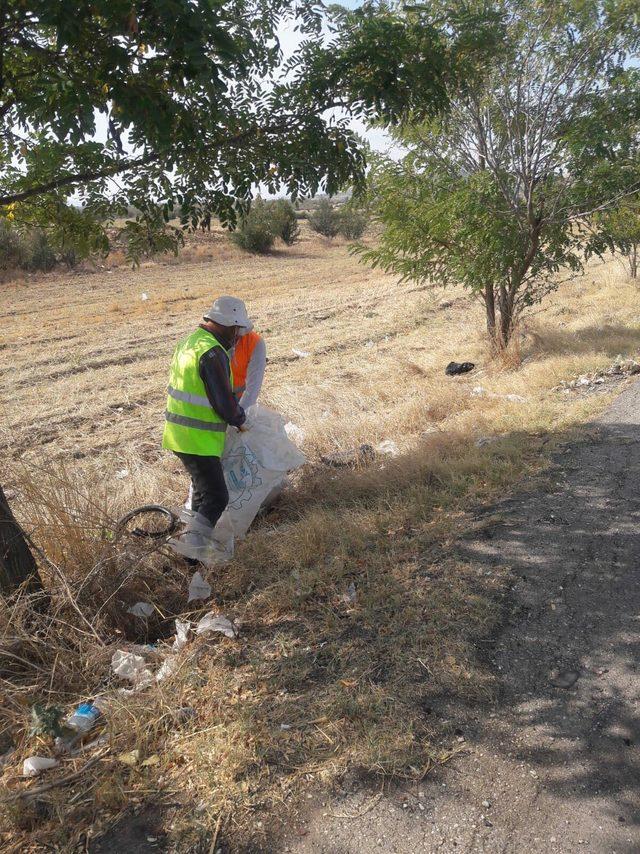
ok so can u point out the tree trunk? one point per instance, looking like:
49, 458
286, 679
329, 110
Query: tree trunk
490, 306
505, 303
17, 564
633, 261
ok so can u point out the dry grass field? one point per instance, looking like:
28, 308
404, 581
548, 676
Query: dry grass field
318, 683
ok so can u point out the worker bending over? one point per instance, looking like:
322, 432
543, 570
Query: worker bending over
200, 405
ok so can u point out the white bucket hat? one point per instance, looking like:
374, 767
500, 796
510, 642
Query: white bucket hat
230, 311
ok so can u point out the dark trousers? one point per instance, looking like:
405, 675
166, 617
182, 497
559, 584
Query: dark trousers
210, 493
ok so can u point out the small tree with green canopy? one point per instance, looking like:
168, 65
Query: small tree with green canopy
352, 222
499, 193
287, 226
325, 219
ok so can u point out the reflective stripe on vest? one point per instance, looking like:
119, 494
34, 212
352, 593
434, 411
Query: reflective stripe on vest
195, 423
185, 397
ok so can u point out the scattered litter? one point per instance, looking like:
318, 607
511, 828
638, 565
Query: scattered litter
454, 368
122, 473
618, 370
144, 297
369, 344
78, 725
388, 447
216, 623
167, 668
301, 354
141, 609
564, 678
35, 765
354, 456
131, 667
480, 391
131, 758
295, 433
182, 634
285, 727
198, 588
84, 717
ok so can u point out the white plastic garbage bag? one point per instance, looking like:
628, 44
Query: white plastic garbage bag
255, 462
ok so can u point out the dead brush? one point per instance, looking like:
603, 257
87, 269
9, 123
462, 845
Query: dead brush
90, 578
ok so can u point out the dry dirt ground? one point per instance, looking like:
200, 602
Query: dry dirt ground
554, 764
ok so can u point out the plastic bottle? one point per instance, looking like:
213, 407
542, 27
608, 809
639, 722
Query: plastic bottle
79, 724
84, 718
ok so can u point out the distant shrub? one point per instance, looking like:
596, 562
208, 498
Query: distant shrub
352, 223
12, 250
38, 252
302, 214
325, 220
258, 230
265, 223
285, 221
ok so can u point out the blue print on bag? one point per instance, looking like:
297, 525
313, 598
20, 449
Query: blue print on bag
241, 473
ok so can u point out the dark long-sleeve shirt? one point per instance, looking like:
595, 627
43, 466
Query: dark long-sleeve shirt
214, 371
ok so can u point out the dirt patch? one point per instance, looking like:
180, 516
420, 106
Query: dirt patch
553, 765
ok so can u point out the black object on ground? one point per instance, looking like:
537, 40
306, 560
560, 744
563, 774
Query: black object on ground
153, 510
454, 368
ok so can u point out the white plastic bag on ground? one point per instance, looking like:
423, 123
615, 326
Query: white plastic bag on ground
255, 462
132, 667
167, 668
198, 588
182, 634
388, 447
213, 622
34, 765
